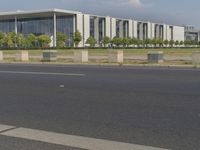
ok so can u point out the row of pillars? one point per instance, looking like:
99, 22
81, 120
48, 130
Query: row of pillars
81, 56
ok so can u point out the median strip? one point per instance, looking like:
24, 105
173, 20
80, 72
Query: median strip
4, 128
71, 140
42, 73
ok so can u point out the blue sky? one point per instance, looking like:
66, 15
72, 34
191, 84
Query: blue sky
178, 12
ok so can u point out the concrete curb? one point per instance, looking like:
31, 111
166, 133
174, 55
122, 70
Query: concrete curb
105, 64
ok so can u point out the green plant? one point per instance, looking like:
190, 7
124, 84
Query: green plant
77, 38
91, 41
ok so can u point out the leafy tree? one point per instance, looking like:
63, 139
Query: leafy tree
8, 41
147, 42
176, 43
155, 42
13, 36
91, 41
61, 39
160, 42
126, 42
32, 40
77, 38
2, 36
166, 43
181, 43
20, 40
134, 41
117, 41
171, 43
44, 40
106, 40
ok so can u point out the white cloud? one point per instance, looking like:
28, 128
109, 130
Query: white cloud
136, 3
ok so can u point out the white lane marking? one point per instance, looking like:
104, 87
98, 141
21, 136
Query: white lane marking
73, 141
42, 73
5, 127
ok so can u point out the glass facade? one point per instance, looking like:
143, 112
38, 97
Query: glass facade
101, 28
92, 28
39, 26
7, 26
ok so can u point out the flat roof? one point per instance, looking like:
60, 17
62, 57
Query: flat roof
36, 13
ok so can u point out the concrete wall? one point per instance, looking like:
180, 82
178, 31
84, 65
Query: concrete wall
179, 33
108, 27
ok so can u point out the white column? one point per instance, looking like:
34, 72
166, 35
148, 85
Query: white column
149, 34
140, 31
135, 28
108, 27
79, 26
54, 31
86, 30
130, 28
16, 25
164, 32
113, 27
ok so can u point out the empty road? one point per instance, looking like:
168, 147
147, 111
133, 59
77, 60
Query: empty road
153, 107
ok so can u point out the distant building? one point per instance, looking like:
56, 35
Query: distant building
55, 20
192, 34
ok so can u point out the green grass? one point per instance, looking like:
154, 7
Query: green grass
127, 52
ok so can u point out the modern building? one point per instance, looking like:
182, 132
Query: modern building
192, 34
55, 20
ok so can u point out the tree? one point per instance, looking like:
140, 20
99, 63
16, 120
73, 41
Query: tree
2, 36
176, 43
134, 41
166, 43
61, 39
32, 40
160, 42
20, 40
91, 41
8, 41
44, 40
106, 40
171, 43
147, 42
155, 42
77, 38
126, 42
13, 36
181, 43
117, 41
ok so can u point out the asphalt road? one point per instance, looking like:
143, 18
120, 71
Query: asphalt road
157, 107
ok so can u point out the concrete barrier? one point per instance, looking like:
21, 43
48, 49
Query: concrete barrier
81, 56
155, 57
22, 56
196, 58
1, 56
116, 56
49, 55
